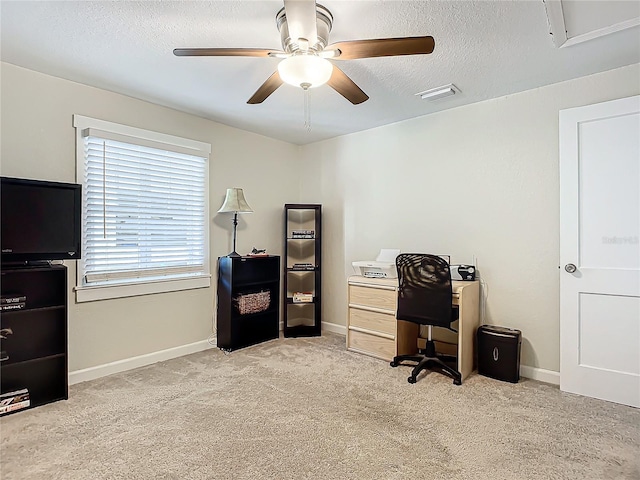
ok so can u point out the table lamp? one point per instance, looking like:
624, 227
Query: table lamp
235, 202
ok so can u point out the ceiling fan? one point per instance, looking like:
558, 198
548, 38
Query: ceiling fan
304, 30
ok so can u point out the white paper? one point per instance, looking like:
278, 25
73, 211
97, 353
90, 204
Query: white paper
388, 255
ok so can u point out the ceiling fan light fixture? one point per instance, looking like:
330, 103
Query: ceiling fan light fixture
305, 71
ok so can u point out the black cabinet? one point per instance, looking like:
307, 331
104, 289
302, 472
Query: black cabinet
33, 343
248, 300
302, 277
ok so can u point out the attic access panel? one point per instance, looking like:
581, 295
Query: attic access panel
572, 22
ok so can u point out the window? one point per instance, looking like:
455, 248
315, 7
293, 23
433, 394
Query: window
145, 211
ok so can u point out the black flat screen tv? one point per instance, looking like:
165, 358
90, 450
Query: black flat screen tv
39, 220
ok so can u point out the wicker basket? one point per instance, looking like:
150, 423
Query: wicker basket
253, 302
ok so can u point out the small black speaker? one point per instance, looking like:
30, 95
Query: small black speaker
499, 352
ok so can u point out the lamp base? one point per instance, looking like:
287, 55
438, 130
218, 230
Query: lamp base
234, 254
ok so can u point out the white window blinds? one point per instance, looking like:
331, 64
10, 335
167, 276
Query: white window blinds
144, 210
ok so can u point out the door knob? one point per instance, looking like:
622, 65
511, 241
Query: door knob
570, 268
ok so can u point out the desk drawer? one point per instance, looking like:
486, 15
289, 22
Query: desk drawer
378, 322
373, 345
373, 297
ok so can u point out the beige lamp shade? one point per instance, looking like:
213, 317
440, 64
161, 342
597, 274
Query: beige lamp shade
234, 202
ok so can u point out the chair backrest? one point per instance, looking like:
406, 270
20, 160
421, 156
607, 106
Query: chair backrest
424, 289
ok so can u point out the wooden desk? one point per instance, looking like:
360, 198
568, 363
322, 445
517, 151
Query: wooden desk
372, 327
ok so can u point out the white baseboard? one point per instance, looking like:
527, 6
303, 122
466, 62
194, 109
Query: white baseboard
98, 371
334, 328
540, 374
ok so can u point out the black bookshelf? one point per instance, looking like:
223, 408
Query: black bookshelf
248, 300
33, 321
302, 275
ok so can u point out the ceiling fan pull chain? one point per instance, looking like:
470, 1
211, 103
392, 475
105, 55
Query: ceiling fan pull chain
307, 109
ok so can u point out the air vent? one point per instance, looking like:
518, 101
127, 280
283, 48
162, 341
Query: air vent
439, 92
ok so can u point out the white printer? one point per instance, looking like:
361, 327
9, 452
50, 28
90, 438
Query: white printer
384, 266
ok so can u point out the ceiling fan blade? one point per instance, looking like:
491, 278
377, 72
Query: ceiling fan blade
346, 87
383, 47
301, 20
266, 89
223, 52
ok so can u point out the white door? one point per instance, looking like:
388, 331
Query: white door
600, 251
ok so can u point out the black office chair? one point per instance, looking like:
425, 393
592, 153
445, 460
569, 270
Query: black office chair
424, 297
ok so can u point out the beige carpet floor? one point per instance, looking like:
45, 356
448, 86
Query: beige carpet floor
308, 409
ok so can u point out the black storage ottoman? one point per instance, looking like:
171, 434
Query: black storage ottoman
499, 353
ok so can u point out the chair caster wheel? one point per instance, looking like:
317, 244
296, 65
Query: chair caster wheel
457, 382
411, 379
393, 363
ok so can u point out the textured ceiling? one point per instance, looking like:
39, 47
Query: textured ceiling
486, 48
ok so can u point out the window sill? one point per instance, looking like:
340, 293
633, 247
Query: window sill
106, 292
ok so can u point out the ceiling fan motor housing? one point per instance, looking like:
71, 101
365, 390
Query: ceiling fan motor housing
324, 21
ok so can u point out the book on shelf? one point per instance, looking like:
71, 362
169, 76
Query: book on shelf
303, 234
12, 298
16, 400
303, 266
302, 297
12, 306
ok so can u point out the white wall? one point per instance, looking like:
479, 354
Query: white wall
480, 180
38, 141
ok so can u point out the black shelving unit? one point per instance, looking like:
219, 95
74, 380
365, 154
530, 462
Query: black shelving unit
302, 276
34, 347
248, 307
